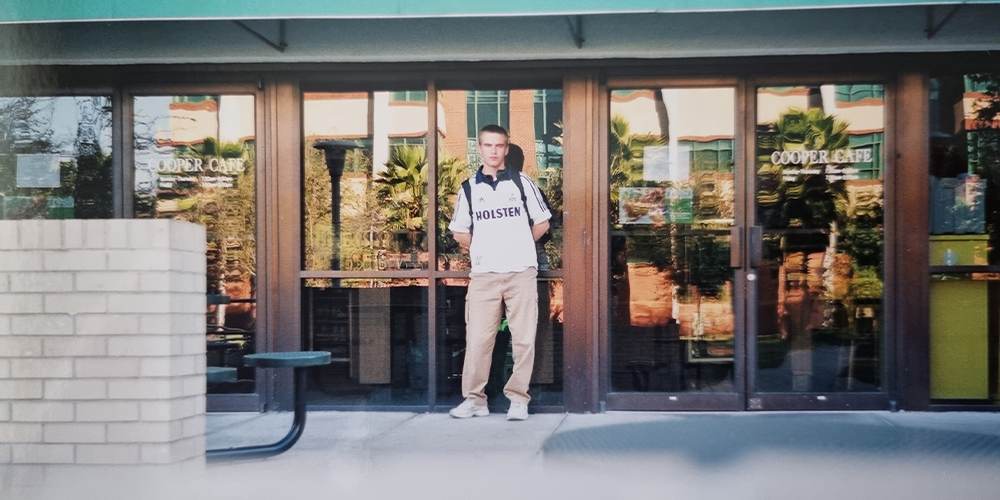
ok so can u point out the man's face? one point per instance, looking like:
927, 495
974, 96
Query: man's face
493, 149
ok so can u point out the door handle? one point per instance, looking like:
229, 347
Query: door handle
736, 247
756, 246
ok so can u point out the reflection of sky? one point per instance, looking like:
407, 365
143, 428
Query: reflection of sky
63, 116
152, 117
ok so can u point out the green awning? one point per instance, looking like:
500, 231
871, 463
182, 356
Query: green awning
30, 11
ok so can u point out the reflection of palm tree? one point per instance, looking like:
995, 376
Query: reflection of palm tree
450, 175
403, 188
809, 201
625, 151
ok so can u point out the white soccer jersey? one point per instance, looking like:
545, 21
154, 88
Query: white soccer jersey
501, 236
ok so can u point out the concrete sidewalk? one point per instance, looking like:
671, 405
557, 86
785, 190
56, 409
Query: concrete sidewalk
614, 455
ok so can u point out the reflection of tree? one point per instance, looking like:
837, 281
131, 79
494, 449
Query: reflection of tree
384, 212
450, 175
554, 194
27, 126
553, 248
625, 151
828, 234
93, 184
987, 106
144, 139
810, 201
361, 211
984, 146
228, 214
402, 188
316, 212
236, 217
862, 236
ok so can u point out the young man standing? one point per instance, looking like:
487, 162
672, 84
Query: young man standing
499, 231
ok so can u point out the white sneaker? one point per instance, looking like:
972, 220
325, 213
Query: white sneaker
469, 408
517, 411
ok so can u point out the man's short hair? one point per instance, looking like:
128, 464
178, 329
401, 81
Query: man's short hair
494, 129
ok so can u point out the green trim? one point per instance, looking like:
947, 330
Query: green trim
408, 96
869, 170
710, 156
26, 11
857, 93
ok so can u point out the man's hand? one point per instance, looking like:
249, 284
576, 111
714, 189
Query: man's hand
464, 239
538, 230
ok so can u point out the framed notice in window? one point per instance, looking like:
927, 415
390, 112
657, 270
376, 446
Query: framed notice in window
38, 171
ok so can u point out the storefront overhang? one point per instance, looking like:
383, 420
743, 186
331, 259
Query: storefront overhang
49, 32
27, 11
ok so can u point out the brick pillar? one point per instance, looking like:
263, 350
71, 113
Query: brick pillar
102, 342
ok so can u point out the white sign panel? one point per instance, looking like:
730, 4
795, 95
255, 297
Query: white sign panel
38, 171
666, 163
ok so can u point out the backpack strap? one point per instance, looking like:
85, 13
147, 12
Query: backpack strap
516, 177
467, 188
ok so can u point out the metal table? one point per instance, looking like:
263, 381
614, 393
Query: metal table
300, 361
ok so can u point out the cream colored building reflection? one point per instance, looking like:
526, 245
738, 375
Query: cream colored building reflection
228, 119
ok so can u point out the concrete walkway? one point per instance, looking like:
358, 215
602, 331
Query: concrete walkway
614, 455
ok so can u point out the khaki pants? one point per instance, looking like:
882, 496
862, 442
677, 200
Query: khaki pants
490, 295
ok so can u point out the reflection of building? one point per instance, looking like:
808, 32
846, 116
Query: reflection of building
193, 118
691, 122
861, 107
375, 119
529, 115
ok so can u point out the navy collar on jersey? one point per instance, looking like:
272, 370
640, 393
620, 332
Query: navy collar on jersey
502, 175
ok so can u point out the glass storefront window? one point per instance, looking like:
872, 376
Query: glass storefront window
365, 181
195, 160
671, 209
55, 158
365, 212
964, 237
820, 203
546, 388
376, 333
533, 117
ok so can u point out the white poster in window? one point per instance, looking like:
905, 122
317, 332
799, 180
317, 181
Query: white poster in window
38, 171
666, 163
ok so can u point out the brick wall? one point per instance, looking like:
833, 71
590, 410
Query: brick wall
102, 342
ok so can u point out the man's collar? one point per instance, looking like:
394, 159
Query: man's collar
502, 175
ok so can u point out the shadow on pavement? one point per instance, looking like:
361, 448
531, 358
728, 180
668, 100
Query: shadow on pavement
721, 439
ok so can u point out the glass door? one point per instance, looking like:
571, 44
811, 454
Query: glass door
817, 248
674, 323
746, 278
195, 159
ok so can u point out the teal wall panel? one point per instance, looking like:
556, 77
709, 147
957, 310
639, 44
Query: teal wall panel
18, 11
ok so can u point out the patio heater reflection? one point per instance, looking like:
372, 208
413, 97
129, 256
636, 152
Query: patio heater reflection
336, 153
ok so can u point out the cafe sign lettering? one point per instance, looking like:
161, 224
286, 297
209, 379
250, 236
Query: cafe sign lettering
189, 165
809, 157
812, 163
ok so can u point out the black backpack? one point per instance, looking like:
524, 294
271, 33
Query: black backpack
516, 177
